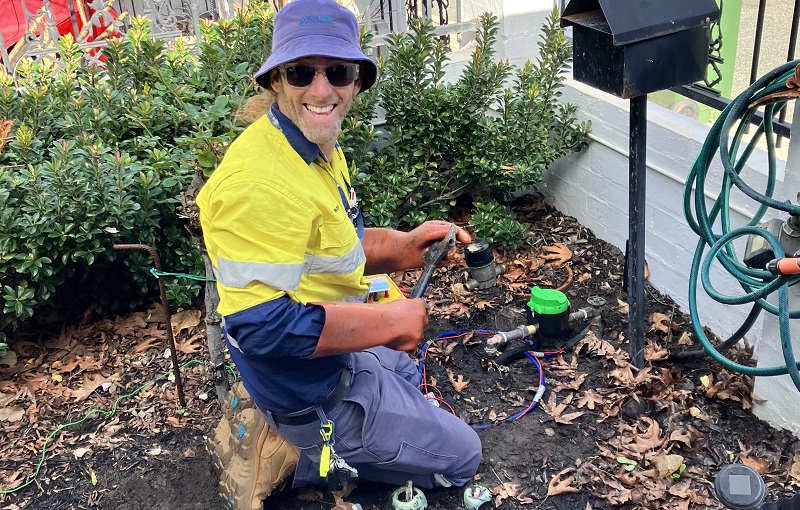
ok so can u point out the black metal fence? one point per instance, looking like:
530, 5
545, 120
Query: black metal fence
770, 38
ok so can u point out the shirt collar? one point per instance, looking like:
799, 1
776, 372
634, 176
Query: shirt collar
307, 149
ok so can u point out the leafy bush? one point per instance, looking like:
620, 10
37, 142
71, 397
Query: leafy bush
97, 157
476, 136
495, 223
94, 157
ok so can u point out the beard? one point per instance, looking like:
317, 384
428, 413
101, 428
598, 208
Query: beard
318, 133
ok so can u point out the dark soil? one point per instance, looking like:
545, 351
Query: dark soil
147, 455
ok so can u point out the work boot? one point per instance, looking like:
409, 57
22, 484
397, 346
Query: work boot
252, 458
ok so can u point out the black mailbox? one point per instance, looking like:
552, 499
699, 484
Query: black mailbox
633, 47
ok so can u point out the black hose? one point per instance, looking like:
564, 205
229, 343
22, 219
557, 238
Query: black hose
726, 344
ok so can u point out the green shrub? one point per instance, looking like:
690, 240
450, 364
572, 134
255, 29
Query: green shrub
97, 157
495, 223
480, 136
100, 156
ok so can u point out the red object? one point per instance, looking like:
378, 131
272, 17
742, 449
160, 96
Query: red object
13, 23
785, 266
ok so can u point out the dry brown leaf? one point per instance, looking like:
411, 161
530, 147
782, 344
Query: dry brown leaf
483, 305
503, 492
590, 399
660, 322
150, 343
11, 413
90, 383
654, 352
557, 254
763, 466
133, 322
566, 419
622, 306
184, 319
649, 440
458, 384
681, 436
685, 339
561, 483
665, 465
794, 470
191, 345
338, 497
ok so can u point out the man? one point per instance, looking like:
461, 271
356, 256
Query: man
327, 369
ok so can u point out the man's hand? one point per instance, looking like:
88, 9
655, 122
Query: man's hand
422, 237
413, 316
392, 250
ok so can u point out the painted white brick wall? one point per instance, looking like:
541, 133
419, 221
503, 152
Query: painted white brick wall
593, 187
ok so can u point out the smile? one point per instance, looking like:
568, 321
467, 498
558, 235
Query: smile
320, 109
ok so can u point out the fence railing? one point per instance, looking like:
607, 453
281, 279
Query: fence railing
35, 28
708, 93
31, 29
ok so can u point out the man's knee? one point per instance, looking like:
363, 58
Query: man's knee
469, 457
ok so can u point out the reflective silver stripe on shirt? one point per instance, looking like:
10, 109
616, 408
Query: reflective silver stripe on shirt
361, 298
345, 264
285, 277
239, 275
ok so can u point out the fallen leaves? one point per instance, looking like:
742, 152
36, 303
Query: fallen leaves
11, 413
763, 466
90, 383
504, 491
556, 409
459, 384
558, 254
562, 482
665, 466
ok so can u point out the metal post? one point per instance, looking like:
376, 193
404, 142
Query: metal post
636, 228
162, 290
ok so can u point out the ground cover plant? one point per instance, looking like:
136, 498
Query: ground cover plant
604, 435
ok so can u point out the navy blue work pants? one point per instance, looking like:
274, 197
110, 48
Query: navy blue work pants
387, 430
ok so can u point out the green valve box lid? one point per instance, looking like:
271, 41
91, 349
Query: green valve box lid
548, 301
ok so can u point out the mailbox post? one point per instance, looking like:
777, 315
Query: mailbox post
630, 48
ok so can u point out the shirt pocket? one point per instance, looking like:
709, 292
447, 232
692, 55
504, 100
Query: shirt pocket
335, 233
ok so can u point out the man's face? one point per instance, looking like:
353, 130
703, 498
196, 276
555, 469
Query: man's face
318, 109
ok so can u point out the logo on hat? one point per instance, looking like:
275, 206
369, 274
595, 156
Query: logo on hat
305, 20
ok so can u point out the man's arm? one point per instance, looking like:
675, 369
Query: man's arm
392, 250
351, 327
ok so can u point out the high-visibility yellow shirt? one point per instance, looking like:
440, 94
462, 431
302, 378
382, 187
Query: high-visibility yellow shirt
275, 224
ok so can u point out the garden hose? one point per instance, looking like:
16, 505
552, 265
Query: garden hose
757, 284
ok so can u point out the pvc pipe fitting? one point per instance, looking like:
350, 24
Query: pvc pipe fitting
477, 496
408, 498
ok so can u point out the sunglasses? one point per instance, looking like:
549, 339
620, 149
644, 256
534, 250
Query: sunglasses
302, 75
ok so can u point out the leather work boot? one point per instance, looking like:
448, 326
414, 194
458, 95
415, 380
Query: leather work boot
252, 457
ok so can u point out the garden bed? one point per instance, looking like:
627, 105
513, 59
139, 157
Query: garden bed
565, 453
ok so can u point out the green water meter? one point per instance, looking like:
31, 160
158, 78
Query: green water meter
549, 308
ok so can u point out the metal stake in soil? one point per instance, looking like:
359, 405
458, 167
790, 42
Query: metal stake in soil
162, 290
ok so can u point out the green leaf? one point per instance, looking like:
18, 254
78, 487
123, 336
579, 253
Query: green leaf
207, 159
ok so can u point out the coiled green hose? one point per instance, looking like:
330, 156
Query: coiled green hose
756, 283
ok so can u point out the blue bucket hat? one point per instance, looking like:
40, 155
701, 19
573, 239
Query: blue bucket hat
316, 28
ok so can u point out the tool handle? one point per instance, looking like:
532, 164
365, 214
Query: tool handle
784, 266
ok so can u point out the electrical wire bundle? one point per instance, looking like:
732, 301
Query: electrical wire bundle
435, 395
